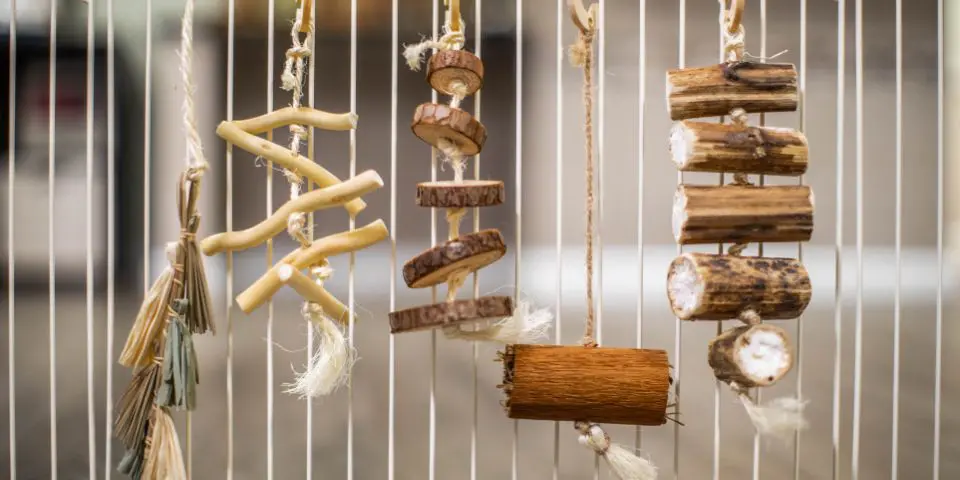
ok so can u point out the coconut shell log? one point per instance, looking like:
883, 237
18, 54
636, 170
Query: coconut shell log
452, 72
751, 355
469, 253
733, 213
718, 89
433, 122
450, 313
715, 147
704, 286
466, 194
569, 383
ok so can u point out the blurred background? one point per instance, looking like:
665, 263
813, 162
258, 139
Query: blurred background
149, 146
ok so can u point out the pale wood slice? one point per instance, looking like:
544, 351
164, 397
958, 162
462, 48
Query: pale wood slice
718, 89
469, 252
469, 193
455, 71
433, 122
438, 315
715, 147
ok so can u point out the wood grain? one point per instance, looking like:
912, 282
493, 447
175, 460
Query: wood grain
469, 252
438, 315
718, 89
433, 122
724, 356
467, 194
716, 147
449, 69
732, 213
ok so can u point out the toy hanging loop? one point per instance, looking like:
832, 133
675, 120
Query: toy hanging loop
454, 7
734, 14
306, 12
585, 19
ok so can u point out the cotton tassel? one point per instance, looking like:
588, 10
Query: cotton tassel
164, 459
178, 386
622, 462
525, 326
138, 351
134, 407
779, 418
332, 360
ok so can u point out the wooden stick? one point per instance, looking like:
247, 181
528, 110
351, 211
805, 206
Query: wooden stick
457, 312
335, 195
286, 159
720, 287
570, 383
718, 89
717, 147
705, 214
269, 284
751, 355
311, 292
287, 116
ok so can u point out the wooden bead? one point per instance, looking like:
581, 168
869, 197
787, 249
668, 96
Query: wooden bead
733, 213
433, 122
452, 72
569, 383
450, 313
469, 193
751, 355
469, 253
718, 89
715, 147
705, 286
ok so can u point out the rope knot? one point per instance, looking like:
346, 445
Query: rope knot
322, 272
311, 310
298, 130
580, 51
299, 51
292, 176
592, 436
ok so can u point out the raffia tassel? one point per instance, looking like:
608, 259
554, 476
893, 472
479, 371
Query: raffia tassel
525, 326
332, 360
622, 462
164, 459
134, 407
199, 317
178, 386
138, 351
779, 418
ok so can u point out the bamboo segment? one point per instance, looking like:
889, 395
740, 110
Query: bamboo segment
464, 254
433, 122
450, 313
570, 383
455, 72
331, 196
717, 147
733, 213
751, 355
719, 287
466, 194
311, 292
718, 89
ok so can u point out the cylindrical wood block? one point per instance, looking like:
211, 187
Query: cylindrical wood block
704, 286
433, 122
438, 315
452, 72
469, 252
718, 89
751, 355
466, 194
569, 383
716, 147
734, 213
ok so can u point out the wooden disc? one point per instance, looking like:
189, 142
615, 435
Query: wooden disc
432, 122
469, 252
447, 68
426, 317
469, 193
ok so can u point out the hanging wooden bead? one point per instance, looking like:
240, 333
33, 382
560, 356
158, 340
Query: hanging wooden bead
466, 194
717, 147
455, 72
718, 89
433, 122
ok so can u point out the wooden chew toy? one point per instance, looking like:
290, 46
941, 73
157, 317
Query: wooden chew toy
467, 253
469, 193
718, 147
736, 353
718, 89
433, 122
450, 313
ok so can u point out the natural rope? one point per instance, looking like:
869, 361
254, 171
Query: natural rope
451, 40
194, 154
733, 45
292, 80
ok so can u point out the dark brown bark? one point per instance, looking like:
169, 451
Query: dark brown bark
450, 71
724, 356
433, 122
732, 213
718, 89
715, 147
469, 252
438, 315
470, 193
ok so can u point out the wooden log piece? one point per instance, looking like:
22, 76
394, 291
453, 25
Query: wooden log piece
438, 315
705, 286
718, 89
468, 253
569, 383
469, 193
716, 147
751, 355
455, 72
433, 122
733, 213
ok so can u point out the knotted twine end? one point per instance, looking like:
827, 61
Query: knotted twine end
625, 464
524, 326
330, 365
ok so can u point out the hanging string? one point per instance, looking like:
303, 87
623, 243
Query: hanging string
194, 155
292, 81
451, 40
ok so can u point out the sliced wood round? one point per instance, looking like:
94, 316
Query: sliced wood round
452, 72
433, 122
469, 252
438, 315
466, 194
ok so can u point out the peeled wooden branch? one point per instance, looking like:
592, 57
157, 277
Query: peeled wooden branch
720, 287
438, 315
715, 147
455, 72
269, 284
331, 196
751, 355
466, 194
434, 122
718, 89
311, 292
732, 213
570, 383
465, 254
307, 116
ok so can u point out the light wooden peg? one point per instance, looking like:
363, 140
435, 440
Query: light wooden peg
585, 19
306, 16
311, 292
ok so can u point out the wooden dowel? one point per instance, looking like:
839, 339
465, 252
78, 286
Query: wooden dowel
716, 90
732, 213
307, 116
311, 292
705, 286
717, 147
331, 196
751, 355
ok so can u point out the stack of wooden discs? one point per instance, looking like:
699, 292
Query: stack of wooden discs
457, 73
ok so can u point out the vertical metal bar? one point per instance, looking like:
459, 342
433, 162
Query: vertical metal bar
601, 94
717, 384
838, 246
11, 259
91, 409
111, 233
231, 48
312, 155
351, 278
763, 121
147, 143
477, 50
803, 128
519, 206
394, 75
938, 389
641, 159
51, 197
433, 290
858, 339
557, 337
898, 243
271, 23
678, 329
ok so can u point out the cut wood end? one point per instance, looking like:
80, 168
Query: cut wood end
681, 143
764, 354
469, 253
466, 194
679, 213
455, 72
284, 272
684, 287
354, 119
